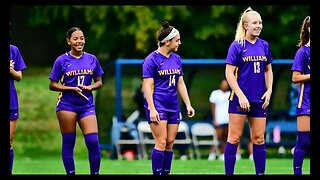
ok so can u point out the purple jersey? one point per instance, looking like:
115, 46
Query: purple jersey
250, 62
19, 65
73, 72
301, 63
165, 72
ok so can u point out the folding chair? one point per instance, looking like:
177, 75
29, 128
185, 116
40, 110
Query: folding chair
203, 134
120, 142
145, 137
127, 136
184, 130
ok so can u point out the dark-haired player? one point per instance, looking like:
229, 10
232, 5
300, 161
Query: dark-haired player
79, 73
162, 79
301, 74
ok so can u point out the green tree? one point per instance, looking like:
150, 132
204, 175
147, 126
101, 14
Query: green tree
206, 31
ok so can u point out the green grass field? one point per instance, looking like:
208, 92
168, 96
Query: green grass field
53, 166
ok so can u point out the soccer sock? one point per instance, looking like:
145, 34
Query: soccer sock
92, 143
302, 142
11, 159
259, 158
166, 166
230, 151
68, 143
157, 157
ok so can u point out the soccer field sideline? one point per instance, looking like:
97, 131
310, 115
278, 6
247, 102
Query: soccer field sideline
54, 166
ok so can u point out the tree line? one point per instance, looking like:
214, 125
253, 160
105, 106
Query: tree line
129, 31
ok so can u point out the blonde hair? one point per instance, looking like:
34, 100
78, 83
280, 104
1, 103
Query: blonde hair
241, 32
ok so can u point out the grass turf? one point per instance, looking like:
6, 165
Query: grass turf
51, 166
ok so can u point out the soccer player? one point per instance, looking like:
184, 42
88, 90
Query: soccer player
249, 74
301, 74
162, 79
17, 65
76, 70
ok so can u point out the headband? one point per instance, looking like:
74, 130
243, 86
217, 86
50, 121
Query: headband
172, 34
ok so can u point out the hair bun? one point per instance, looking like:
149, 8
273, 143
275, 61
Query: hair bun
165, 24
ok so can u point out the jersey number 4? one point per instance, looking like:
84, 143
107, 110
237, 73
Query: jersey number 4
172, 80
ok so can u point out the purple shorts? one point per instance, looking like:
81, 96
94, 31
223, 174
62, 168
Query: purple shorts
303, 111
14, 114
256, 109
82, 112
171, 117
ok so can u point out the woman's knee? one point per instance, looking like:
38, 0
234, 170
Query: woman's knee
234, 139
257, 139
161, 144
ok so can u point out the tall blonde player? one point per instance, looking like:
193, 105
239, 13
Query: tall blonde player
249, 74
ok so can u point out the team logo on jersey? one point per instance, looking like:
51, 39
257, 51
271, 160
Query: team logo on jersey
169, 72
238, 108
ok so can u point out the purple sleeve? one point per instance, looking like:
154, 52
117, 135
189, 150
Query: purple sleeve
16, 56
233, 54
98, 71
148, 68
268, 53
56, 72
298, 62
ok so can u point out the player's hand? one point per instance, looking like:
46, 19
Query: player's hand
77, 90
154, 116
11, 66
266, 96
191, 111
86, 88
244, 103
